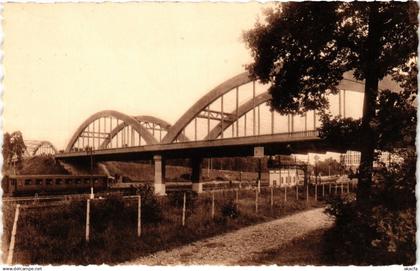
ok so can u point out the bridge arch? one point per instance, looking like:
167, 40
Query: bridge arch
162, 125
39, 147
203, 102
128, 120
44, 144
175, 132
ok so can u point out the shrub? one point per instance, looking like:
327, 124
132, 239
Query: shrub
230, 209
176, 199
151, 208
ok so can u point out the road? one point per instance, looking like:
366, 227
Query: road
240, 246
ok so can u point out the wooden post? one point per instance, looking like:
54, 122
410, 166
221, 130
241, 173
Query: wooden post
256, 200
212, 204
285, 193
13, 237
297, 191
271, 198
139, 217
183, 209
307, 193
316, 192
323, 191
87, 220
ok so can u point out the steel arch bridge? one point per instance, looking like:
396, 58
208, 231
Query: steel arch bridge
231, 110
37, 147
229, 120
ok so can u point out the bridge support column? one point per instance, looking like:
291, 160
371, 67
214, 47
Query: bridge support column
197, 186
159, 184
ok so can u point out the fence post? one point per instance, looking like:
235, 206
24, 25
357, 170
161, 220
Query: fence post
285, 193
323, 191
316, 191
297, 191
271, 198
13, 237
183, 209
256, 200
87, 220
212, 204
139, 217
307, 193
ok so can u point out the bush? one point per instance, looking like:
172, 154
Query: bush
383, 232
230, 209
176, 199
150, 206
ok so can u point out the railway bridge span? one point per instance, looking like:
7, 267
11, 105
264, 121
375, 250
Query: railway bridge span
229, 120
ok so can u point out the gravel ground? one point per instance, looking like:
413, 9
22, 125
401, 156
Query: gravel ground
239, 246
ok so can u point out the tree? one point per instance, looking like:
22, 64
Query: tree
329, 167
13, 148
303, 49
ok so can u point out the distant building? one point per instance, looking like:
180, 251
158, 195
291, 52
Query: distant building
285, 177
350, 160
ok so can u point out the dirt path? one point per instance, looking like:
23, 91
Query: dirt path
241, 245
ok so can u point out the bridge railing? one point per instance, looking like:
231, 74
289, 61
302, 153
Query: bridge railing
280, 136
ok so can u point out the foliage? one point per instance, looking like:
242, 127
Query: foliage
329, 167
230, 209
303, 50
176, 199
383, 231
394, 125
342, 133
151, 208
13, 148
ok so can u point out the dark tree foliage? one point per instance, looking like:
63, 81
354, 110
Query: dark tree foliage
13, 149
303, 49
329, 167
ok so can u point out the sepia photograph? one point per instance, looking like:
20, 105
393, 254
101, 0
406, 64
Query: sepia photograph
209, 134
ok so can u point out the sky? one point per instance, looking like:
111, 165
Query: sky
65, 62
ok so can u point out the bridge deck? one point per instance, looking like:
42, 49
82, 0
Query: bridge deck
277, 143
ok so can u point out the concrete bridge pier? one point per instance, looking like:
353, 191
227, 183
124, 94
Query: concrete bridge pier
197, 185
159, 183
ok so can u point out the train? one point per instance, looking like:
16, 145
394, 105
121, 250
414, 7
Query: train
16, 185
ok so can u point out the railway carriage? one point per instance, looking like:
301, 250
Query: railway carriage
49, 184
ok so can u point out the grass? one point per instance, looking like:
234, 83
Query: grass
55, 235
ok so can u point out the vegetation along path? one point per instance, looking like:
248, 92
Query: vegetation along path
238, 247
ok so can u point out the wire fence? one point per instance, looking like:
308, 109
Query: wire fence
145, 215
